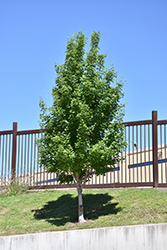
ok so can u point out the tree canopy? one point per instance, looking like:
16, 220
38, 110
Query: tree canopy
84, 131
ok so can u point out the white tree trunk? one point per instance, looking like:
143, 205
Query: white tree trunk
80, 204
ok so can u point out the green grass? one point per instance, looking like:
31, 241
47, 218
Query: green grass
53, 210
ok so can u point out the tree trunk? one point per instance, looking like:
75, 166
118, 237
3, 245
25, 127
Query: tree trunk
80, 204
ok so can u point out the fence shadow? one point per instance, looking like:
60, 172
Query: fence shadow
65, 208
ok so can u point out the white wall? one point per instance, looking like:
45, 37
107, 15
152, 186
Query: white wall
140, 237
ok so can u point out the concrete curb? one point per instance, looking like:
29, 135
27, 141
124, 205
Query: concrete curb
138, 237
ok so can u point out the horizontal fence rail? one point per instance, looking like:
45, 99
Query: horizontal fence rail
144, 164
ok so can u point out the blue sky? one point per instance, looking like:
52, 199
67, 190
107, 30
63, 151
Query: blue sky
33, 35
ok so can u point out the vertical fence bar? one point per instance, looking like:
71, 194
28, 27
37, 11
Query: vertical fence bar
141, 153
121, 167
160, 153
6, 153
129, 155
31, 159
28, 157
9, 163
149, 152
14, 150
3, 156
133, 150
38, 172
155, 149
18, 158
34, 171
165, 152
22, 164
145, 179
125, 158
137, 153
0, 158
25, 162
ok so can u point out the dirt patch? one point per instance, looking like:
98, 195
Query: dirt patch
4, 210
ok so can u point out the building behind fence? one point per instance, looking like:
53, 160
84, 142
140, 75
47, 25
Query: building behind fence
145, 161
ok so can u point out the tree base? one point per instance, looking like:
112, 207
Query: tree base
81, 219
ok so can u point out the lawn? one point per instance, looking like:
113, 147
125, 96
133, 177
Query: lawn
53, 210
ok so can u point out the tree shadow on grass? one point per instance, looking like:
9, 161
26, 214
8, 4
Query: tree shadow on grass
65, 208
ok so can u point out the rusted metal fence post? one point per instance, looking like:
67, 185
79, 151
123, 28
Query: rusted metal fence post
155, 149
14, 150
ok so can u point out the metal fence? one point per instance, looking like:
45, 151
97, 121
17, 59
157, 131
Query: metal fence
145, 161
